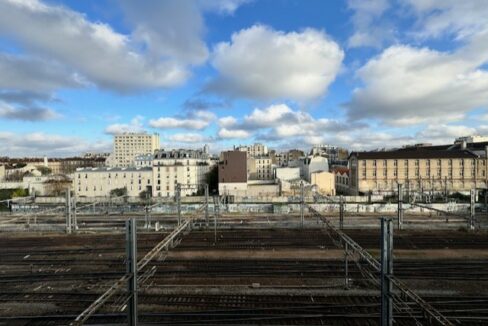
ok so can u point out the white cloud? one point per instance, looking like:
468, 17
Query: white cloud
279, 122
460, 18
227, 7
94, 50
233, 134
189, 138
194, 120
26, 114
227, 122
135, 125
406, 85
40, 144
444, 133
170, 28
262, 63
368, 30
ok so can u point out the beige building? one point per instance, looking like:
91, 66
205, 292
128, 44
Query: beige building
186, 167
129, 145
260, 168
98, 182
254, 150
432, 168
325, 182
2, 172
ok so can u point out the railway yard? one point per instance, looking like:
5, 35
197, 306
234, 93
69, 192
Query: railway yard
251, 270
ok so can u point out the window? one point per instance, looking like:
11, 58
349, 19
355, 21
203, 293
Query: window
374, 173
374, 163
395, 163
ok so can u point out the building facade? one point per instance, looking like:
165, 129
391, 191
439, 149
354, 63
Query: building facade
188, 168
232, 171
431, 168
128, 145
260, 168
98, 182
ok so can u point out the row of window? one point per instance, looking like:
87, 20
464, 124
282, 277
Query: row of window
428, 162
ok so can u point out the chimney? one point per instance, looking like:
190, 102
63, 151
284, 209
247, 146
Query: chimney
463, 144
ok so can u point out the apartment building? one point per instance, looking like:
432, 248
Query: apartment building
232, 172
452, 168
98, 182
254, 150
260, 168
128, 145
186, 167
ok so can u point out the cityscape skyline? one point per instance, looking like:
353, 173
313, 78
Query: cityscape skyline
356, 74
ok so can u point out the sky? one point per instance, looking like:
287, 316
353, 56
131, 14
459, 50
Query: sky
362, 74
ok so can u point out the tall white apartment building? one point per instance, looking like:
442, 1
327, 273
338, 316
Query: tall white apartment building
186, 167
129, 145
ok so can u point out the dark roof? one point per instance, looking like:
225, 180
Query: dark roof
418, 153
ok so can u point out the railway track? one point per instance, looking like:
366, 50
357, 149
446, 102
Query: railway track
268, 309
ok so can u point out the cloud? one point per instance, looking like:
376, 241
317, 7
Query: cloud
93, 50
35, 76
171, 28
368, 29
135, 125
227, 121
40, 144
194, 120
463, 19
279, 122
406, 85
262, 63
189, 138
227, 7
197, 104
26, 114
444, 133
233, 134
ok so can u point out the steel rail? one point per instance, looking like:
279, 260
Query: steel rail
426, 307
164, 244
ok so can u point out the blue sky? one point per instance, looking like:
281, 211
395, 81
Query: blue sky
362, 74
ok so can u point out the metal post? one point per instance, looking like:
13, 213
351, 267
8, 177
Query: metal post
68, 211
206, 204
400, 206
386, 272
75, 217
147, 218
346, 266
178, 202
341, 213
131, 269
216, 214
302, 204
472, 209
486, 200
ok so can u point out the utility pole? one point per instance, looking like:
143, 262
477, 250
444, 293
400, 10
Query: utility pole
216, 214
302, 204
472, 207
346, 266
178, 201
386, 272
341, 213
400, 206
206, 204
75, 217
147, 218
131, 269
68, 211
